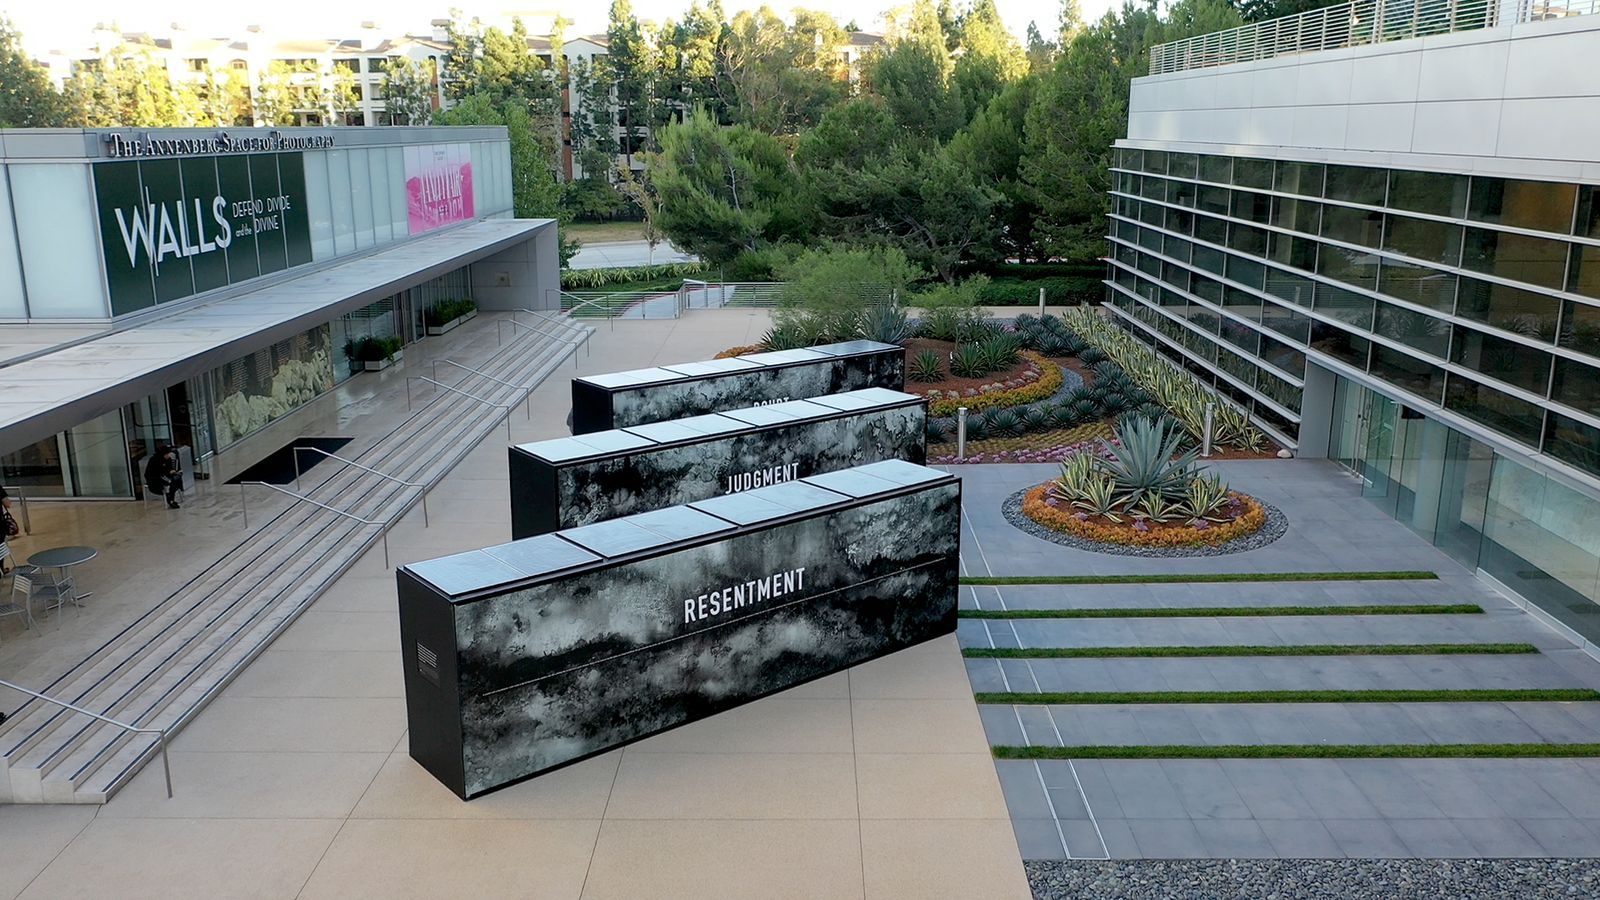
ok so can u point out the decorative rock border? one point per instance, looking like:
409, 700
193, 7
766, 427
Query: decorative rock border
1275, 527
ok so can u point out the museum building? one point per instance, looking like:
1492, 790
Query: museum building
198, 287
1377, 228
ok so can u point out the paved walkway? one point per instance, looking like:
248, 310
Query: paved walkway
1088, 807
295, 782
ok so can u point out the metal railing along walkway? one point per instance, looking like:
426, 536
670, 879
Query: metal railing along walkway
1353, 24
162, 738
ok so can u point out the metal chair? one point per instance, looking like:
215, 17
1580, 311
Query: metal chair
25, 582
21, 586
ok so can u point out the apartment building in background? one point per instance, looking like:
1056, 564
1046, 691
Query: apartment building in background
1377, 227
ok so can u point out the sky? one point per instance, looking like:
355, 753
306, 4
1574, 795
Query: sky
51, 24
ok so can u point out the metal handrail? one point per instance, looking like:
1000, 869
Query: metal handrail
579, 302
527, 404
566, 335
350, 462
320, 505
506, 407
1351, 24
22, 508
160, 733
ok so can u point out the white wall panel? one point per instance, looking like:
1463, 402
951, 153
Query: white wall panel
361, 197
378, 181
1385, 78
1460, 127
344, 217
1564, 129
1320, 126
12, 304
319, 206
1380, 126
55, 204
1475, 72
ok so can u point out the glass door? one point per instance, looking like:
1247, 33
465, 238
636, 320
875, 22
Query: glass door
1381, 453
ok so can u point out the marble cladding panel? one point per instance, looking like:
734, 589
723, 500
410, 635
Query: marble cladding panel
633, 482
736, 390
555, 672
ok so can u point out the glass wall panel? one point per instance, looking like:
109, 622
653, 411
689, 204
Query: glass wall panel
1419, 284
1429, 192
1304, 216
1340, 344
1281, 355
1577, 385
1423, 239
1208, 229
1539, 205
1588, 221
1242, 303
1215, 199
1424, 332
1406, 372
319, 205
1584, 278
1207, 288
1299, 253
1247, 272
1511, 416
1539, 541
361, 197
1184, 193
1252, 172
378, 184
1182, 165
1572, 441
55, 205
1346, 306
1299, 178
1252, 207
1357, 184
1155, 161
1353, 226
1241, 335
272, 382
1296, 289
1508, 308
1286, 322
1508, 361
1177, 248
1358, 268
97, 458
1152, 188
1248, 239
344, 217
1463, 494
1208, 259
1216, 168
1517, 257
1180, 221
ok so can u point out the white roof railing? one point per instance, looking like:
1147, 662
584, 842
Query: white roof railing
1353, 24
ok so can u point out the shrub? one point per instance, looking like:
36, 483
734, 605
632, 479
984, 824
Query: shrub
952, 323
760, 265
926, 367
935, 431
784, 336
887, 324
1003, 422
941, 296
1046, 384
1035, 506
373, 349
1070, 291
588, 279
446, 311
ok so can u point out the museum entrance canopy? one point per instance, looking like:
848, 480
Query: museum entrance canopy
92, 373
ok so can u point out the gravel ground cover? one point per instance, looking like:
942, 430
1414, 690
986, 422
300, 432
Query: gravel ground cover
1315, 879
1276, 525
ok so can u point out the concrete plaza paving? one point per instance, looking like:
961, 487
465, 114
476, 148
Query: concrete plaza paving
1089, 807
295, 782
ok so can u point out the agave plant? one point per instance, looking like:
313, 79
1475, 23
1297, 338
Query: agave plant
1158, 508
1003, 422
926, 367
1099, 498
1035, 418
886, 323
1145, 458
968, 362
1091, 355
786, 336
936, 431
999, 351
1206, 498
1076, 473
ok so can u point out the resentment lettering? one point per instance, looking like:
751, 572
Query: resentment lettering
751, 593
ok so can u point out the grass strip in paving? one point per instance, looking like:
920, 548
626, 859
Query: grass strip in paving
1191, 612
1506, 695
1300, 751
1201, 577
1245, 650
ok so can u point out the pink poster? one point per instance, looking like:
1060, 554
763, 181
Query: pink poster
438, 186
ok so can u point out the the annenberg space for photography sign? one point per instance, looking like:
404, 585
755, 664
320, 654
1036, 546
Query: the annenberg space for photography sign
663, 393
533, 654
567, 482
171, 228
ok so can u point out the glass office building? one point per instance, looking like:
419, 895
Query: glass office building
196, 287
1430, 320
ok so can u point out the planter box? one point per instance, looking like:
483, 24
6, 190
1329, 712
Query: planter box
378, 365
446, 328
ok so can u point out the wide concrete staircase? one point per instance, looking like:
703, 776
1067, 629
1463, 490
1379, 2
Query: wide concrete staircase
160, 671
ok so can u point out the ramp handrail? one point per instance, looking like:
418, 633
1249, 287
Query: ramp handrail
160, 733
320, 505
351, 462
470, 396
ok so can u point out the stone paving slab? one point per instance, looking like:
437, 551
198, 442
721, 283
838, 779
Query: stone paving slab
1245, 673
1212, 724
1205, 631
1310, 808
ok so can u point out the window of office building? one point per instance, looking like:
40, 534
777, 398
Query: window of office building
1580, 328
1577, 385
1207, 258
1184, 193
1508, 361
1155, 161
1215, 199
1241, 335
1304, 216
1357, 268
1584, 277
1508, 308
1285, 357
1424, 332
1255, 173
1340, 344
1300, 253
1587, 223
1511, 416
1538, 205
1212, 230
1407, 372
1357, 184
1153, 188
1237, 366
1247, 239
1299, 178
1296, 289
1252, 207
1429, 192
1182, 165
1207, 289
1353, 226
1216, 168
1286, 322
1180, 221
1418, 284
1247, 272
1516, 257
1573, 441
1346, 306
1423, 239
1241, 303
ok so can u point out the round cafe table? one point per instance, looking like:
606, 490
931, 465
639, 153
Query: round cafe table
62, 559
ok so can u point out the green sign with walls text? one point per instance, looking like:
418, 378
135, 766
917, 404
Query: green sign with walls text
172, 228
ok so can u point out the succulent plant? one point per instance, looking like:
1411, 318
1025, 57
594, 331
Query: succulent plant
926, 367
1145, 458
886, 323
968, 361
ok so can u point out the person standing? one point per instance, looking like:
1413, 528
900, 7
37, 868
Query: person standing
8, 530
164, 475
